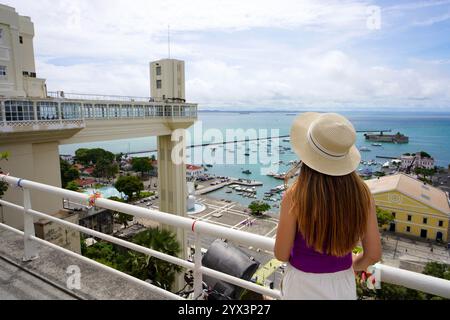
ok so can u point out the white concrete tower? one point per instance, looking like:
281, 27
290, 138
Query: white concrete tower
167, 80
17, 66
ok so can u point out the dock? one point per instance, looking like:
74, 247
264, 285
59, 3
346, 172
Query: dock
242, 182
386, 157
242, 140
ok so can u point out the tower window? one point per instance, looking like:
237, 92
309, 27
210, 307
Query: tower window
158, 84
441, 223
21, 39
2, 72
158, 70
409, 217
425, 220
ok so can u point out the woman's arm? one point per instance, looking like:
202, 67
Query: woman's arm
371, 243
287, 228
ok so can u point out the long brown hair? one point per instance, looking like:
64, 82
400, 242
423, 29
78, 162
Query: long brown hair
331, 211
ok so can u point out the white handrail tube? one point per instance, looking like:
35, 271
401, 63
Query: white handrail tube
160, 291
410, 279
163, 256
162, 217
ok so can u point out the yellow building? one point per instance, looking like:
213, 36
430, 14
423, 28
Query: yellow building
419, 209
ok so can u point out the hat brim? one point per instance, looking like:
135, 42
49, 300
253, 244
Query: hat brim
300, 144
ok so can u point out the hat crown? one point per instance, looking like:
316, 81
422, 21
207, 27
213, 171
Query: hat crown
332, 134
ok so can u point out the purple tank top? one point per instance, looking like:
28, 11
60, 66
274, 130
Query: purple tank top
307, 259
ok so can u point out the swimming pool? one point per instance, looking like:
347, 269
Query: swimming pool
106, 192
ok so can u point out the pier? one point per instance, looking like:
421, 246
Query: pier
216, 144
242, 182
386, 157
242, 140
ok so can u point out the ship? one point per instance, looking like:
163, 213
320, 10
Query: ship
247, 172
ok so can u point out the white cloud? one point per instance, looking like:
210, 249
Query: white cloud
104, 47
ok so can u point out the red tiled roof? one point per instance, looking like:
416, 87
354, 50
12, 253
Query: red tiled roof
85, 182
193, 167
89, 170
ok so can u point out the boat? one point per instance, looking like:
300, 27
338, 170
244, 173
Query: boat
228, 191
377, 144
364, 149
209, 165
386, 164
247, 172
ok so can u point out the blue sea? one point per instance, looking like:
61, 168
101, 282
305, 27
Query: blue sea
428, 132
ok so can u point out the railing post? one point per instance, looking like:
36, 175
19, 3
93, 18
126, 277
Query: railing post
35, 116
30, 247
3, 111
198, 277
59, 112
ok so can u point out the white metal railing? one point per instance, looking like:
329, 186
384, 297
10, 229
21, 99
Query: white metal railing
29, 111
388, 274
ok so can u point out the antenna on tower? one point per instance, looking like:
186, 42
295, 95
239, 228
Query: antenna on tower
168, 40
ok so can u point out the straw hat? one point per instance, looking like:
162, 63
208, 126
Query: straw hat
325, 142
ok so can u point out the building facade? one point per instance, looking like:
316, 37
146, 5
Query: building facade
17, 66
167, 80
419, 209
193, 171
416, 160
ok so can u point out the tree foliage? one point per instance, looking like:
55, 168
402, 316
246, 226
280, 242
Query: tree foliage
161, 272
72, 185
3, 185
92, 156
258, 207
120, 217
141, 164
139, 265
129, 185
106, 169
68, 172
384, 217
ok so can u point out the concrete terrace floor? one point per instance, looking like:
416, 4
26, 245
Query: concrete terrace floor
46, 277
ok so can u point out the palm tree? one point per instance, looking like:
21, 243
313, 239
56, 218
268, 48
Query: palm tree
162, 273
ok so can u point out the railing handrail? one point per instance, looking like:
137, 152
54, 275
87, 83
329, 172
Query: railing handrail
389, 274
91, 96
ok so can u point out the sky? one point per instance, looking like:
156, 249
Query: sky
251, 54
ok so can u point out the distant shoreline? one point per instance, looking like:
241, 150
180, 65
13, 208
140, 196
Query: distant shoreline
359, 111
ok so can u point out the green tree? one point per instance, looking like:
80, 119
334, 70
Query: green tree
72, 185
105, 169
162, 273
139, 265
438, 270
105, 253
119, 156
3, 185
141, 164
129, 185
384, 217
68, 172
120, 217
424, 154
92, 156
257, 208
81, 156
